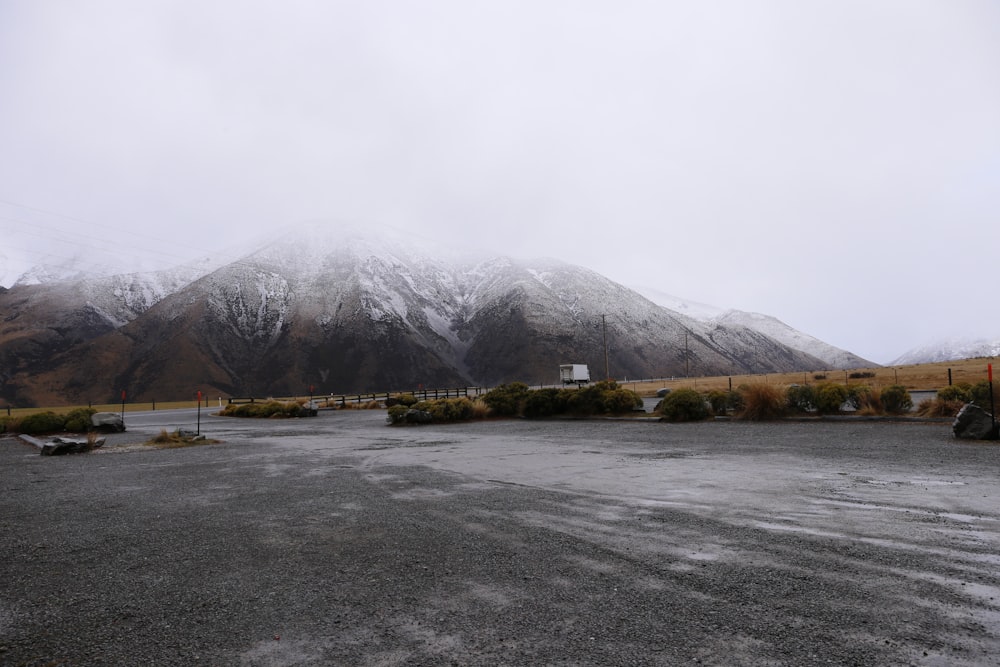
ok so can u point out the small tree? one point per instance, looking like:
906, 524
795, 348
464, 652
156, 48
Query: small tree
801, 398
956, 392
545, 402
980, 395
830, 397
507, 399
718, 400
896, 399
78, 420
682, 405
42, 422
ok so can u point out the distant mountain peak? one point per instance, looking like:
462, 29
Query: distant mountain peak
766, 324
950, 349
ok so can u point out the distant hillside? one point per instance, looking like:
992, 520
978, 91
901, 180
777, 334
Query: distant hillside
833, 357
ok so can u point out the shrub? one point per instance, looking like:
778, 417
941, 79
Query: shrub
859, 375
401, 399
397, 413
762, 402
683, 405
546, 403
447, 409
440, 409
830, 397
735, 401
42, 422
507, 399
718, 400
265, 410
620, 401
896, 399
865, 400
604, 397
585, 400
78, 420
819, 376
801, 398
957, 392
981, 395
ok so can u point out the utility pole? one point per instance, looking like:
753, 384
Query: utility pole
687, 363
607, 366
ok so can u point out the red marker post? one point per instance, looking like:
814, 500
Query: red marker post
993, 405
123, 406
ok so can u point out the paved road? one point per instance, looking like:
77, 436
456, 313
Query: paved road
339, 540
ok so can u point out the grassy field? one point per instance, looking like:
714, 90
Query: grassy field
920, 377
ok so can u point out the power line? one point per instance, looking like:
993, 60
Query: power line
151, 246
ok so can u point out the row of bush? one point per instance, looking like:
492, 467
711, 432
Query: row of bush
268, 410
762, 402
517, 400
950, 400
75, 421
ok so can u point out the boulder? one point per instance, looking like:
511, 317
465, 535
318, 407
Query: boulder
974, 423
108, 422
60, 446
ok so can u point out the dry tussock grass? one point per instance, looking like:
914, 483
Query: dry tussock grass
175, 440
762, 402
922, 377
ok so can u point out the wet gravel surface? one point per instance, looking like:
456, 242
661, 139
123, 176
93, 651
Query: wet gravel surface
339, 540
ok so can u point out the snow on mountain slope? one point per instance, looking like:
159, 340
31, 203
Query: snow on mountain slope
353, 311
781, 332
693, 309
765, 324
950, 349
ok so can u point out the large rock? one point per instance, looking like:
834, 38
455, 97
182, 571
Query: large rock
974, 423
60, 446
107, 421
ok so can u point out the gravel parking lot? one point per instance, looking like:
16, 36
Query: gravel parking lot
339, 540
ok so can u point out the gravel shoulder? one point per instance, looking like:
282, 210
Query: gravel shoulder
339, 540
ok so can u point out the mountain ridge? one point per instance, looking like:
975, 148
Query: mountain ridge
352, 314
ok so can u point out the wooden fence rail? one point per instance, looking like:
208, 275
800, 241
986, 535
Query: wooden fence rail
344, 399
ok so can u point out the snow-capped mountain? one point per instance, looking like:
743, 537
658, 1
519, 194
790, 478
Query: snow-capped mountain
833, 357
793, 338
348, 312
950, 349
694, 309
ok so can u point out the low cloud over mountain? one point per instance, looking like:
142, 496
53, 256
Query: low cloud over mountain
347, 313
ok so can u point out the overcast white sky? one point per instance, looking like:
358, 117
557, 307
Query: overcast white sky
835, 164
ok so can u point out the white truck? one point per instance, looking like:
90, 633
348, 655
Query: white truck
574, 374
